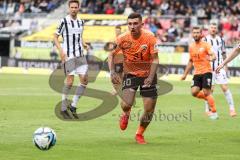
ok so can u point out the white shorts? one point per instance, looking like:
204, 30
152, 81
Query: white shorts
76, 66
220, 78
81, 70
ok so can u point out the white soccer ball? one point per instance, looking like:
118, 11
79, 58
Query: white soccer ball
44, 138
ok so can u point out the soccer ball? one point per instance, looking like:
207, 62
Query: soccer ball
44, 138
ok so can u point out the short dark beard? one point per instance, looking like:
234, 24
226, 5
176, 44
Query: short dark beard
198, 40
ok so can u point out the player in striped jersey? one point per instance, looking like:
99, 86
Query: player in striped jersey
220, 78
231, 56
71, 53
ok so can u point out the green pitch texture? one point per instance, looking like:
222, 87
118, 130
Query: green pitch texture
27, 102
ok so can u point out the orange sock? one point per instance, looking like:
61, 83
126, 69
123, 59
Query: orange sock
140, 130
201, 95
211, 103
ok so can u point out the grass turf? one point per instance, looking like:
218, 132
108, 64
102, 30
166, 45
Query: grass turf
27, 102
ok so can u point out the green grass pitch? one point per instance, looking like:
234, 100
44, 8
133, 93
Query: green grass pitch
27, 102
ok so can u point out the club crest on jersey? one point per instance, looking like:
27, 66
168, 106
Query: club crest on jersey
125, 45
144, 47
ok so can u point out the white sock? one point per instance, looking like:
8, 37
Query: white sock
65, 91
206, 107
79, 92
229, 98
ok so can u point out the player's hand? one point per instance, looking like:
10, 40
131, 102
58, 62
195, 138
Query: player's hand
148, 81
219, 68
183, 77
115, 78
86, 46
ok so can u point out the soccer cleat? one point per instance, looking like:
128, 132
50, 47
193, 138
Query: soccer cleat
65, 115
140, 139
123, 123
74, 111
213, 116
233, 113
208, 113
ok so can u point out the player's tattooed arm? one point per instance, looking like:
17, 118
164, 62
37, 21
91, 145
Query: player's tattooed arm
232, 55
224, 55
153, 69
187, 70
114, 77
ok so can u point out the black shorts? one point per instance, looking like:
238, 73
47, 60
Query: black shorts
118, 67
202, 80
133, 82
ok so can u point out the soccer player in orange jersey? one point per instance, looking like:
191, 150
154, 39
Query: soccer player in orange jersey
201, 54
140, 64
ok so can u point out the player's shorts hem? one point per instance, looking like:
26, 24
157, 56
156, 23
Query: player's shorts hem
202, 81
133, 82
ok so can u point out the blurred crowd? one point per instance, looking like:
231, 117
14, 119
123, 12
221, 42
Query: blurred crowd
178, 29
172, 29
27, 6
169, 20
201, 8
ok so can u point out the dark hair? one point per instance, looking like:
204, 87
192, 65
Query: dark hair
73, 1
135, 15
196, 27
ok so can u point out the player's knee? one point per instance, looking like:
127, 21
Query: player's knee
69, 83
194, 94
224, 88
84, 81
207, 92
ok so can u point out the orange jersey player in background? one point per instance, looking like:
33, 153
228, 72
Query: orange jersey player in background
201, 54
140, 64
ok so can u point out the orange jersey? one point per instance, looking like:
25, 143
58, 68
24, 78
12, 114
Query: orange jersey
199, 54
137, 52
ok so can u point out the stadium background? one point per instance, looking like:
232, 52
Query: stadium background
26, 25
27, 57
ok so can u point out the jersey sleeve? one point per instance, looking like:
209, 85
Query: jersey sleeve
209, 48
60, 27
153, 45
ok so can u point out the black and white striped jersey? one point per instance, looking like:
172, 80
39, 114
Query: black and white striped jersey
71, 30
218, 46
